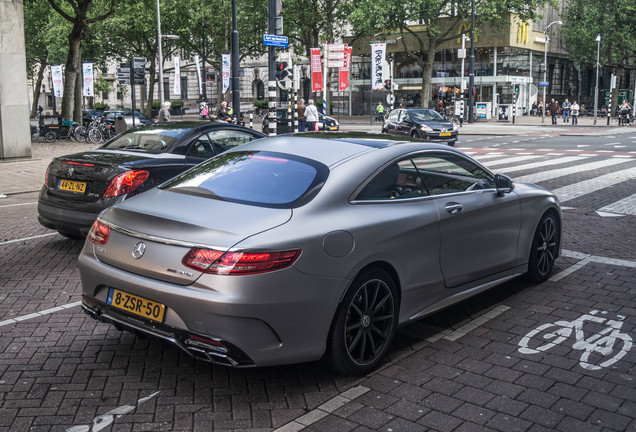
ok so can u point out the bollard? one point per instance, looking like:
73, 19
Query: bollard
251, 121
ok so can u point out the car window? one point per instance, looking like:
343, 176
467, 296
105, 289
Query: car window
424, 115
147, 140
259, 178
404, 116
399, 180
425, 175
394, 115
202, 148
450, 173
226, 139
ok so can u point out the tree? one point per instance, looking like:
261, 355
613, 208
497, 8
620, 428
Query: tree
370, 17
615, 21
36, 19
80, 14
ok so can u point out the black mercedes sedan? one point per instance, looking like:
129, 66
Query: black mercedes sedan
79, 186
421, 123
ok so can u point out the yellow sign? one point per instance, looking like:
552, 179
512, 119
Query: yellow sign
522, 33
465, 29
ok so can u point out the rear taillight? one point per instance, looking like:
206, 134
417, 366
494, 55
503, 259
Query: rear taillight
46, 178
99, 233
126, 182
238, 263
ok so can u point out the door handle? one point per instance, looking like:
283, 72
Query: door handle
454, 208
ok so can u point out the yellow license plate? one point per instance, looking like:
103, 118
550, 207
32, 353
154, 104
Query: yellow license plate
72, 186
445, 134
136, 305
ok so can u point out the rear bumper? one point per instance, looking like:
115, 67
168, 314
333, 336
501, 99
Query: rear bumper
71, 218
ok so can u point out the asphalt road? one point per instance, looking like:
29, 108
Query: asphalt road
474, 367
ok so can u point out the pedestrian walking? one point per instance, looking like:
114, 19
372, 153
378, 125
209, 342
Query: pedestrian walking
311, 115
302, 118
576, 109
566, 107
164, 112
554, 111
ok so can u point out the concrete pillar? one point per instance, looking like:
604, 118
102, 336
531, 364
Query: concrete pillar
15, 137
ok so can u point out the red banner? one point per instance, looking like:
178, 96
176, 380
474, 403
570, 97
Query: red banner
344, 71
316, 70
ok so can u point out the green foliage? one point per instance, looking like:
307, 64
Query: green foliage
100, 106
261, 103
176, 104
615, 21
156, 105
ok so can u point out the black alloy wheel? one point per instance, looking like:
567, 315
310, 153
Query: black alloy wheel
544, 248
364, 324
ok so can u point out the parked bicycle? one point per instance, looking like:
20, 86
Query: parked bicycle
599, 350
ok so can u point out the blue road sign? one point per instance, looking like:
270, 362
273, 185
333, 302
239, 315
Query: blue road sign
275, 41
544, 83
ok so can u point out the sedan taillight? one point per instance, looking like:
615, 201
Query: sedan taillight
46, 178
238, 263
126, 182
99, 233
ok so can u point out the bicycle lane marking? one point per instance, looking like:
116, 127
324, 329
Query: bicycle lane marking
596, 347
27, 238
586, 259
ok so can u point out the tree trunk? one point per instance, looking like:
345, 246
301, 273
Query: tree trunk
36, 89
79, 90
72, 67
151, 87
427, 68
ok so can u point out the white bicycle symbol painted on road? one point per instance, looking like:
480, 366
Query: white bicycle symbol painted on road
599, 349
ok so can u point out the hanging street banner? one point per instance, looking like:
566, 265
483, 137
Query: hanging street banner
343, 72
176, 87
378, 52
196, 62
56, 77
316, 70
225, 60
87, 72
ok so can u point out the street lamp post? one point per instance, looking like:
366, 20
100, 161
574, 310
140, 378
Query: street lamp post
161, 99
598, 54
545, 66
471, 65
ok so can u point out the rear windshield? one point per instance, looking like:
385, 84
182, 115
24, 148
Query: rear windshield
265, 179
147, 140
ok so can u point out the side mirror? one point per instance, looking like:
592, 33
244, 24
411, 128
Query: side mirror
504, 184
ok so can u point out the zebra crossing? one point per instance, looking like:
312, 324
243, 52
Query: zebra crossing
605, 183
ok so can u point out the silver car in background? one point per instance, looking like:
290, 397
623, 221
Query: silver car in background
293, 248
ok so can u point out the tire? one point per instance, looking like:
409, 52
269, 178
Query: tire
35, 135
94, 136
415, 134
50, 137
65, 133
80, 133
545, 245
364, 324
452, 143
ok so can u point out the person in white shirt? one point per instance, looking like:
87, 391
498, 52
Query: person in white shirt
575, 113
311, 113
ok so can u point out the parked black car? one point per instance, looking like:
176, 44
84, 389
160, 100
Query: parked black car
87, 116
110, 116
421, 123
282, 125
79, 186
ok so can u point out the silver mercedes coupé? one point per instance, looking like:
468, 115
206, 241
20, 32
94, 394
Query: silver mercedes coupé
295, 248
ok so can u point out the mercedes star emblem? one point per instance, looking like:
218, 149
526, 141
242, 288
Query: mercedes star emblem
138, 250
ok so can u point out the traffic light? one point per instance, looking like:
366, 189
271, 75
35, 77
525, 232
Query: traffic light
282, 71
516, 88
387, 84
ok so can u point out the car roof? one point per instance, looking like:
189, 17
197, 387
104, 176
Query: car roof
331, 148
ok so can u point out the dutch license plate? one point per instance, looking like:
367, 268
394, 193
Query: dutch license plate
136, 305
72, 186
445, 134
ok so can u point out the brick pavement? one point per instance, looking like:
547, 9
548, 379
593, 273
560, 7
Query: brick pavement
62, 371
